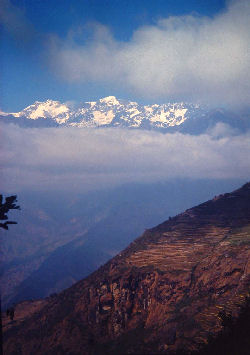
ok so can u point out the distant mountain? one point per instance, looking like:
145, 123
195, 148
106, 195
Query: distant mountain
171, 290
111, 112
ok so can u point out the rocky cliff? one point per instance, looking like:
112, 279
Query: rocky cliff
164, 293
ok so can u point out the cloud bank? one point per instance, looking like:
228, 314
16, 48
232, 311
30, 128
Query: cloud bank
189, 58
85, 159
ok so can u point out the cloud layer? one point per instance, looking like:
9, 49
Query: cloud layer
179, 58
84, 159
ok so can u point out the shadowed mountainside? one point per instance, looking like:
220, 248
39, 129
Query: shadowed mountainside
162, 294
84, 230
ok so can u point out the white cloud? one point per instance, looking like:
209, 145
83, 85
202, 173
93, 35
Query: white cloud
84, 159
183, 58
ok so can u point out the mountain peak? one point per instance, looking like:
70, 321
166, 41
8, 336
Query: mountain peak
112, 112
110, 100
48, 101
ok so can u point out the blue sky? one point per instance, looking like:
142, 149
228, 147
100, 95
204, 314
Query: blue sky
46, 44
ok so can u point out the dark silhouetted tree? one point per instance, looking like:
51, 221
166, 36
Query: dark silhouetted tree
5, 207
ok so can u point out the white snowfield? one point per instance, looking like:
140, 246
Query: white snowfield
48, 109
110, 111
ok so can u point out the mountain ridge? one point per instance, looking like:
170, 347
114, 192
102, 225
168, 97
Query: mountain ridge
162, 294
56, 218
118, 113
107, 111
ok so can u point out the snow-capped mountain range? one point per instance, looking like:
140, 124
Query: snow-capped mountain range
112, 112
109, 111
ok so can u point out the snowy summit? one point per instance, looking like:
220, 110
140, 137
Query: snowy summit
108, 112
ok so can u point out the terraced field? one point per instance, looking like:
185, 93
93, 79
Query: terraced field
168, 291
240, 236
179, 249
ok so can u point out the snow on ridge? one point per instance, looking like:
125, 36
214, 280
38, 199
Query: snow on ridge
103, 118
109, 111
91, 103
110, 100
45, 109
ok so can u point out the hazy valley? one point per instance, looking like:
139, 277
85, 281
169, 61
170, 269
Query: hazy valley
85, 230
170, 287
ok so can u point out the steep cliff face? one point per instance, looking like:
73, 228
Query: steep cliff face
163, 293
